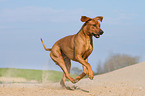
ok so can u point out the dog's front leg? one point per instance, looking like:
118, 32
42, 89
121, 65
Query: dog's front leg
84, 73
86, 64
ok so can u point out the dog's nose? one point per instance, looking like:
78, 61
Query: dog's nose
101, 32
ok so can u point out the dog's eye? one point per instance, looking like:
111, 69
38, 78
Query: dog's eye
94, 25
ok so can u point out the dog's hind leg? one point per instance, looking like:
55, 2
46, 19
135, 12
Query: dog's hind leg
68, 66
57, 57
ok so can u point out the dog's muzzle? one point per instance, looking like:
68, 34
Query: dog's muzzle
101, 32
97, 35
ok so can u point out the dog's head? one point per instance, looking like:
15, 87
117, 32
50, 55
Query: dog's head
92, 26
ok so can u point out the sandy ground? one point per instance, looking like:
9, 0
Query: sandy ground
128, 81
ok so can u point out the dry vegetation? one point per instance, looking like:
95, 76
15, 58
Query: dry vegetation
116, 61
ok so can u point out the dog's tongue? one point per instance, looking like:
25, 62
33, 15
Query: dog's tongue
97, 36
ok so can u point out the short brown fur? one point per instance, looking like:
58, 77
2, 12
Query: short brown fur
77, 48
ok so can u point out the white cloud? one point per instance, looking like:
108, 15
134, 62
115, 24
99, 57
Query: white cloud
38, 14
35, 14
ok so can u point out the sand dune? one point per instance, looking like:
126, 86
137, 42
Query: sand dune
128, 81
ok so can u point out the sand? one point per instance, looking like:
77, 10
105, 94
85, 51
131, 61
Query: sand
128, 81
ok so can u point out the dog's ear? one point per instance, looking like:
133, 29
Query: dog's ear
99, 18
84, 18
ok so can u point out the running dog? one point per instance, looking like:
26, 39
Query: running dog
77, 48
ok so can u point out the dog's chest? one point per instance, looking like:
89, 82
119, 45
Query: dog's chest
88, 46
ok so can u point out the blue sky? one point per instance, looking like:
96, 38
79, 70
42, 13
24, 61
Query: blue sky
24, 22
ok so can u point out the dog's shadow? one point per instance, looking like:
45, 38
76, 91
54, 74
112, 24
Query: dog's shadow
73, 88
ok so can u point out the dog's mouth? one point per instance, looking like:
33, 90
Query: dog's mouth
96, 35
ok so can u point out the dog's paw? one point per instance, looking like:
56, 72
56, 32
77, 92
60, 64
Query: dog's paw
75, 81
91, 77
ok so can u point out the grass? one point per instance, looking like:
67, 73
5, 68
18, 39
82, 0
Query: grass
28, 74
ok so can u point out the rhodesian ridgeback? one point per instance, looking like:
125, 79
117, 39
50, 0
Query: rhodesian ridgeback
77, 48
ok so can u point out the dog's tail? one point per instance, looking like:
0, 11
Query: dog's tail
47, 49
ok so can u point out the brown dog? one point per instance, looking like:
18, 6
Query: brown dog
77, 48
